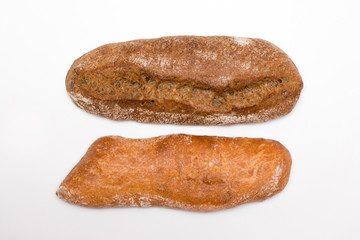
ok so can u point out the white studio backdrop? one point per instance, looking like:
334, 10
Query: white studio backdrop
43, 134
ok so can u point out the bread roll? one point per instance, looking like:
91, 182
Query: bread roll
193, 80
197, 173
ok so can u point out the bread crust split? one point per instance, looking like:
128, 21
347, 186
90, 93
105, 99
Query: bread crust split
193, 80
196, 173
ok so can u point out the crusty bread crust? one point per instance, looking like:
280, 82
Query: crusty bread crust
214, 80
197, 173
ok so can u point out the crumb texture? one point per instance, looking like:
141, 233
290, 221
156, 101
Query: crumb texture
242, 79
197, 173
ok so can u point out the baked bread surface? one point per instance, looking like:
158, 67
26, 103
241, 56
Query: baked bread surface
215, 80
197, 173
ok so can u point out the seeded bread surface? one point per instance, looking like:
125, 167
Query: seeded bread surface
186, 80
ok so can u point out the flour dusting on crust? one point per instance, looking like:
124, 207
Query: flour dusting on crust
116, 112
242, 41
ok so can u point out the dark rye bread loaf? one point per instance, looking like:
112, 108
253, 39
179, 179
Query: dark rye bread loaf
198, 173
186, 80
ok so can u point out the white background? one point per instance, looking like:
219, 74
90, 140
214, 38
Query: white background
43, 134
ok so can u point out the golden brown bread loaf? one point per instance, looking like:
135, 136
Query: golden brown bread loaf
186, 80
198, 173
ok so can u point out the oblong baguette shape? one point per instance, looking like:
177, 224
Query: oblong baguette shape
197, 173
214, 80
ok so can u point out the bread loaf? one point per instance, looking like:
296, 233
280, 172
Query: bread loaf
198, 173
194, 80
